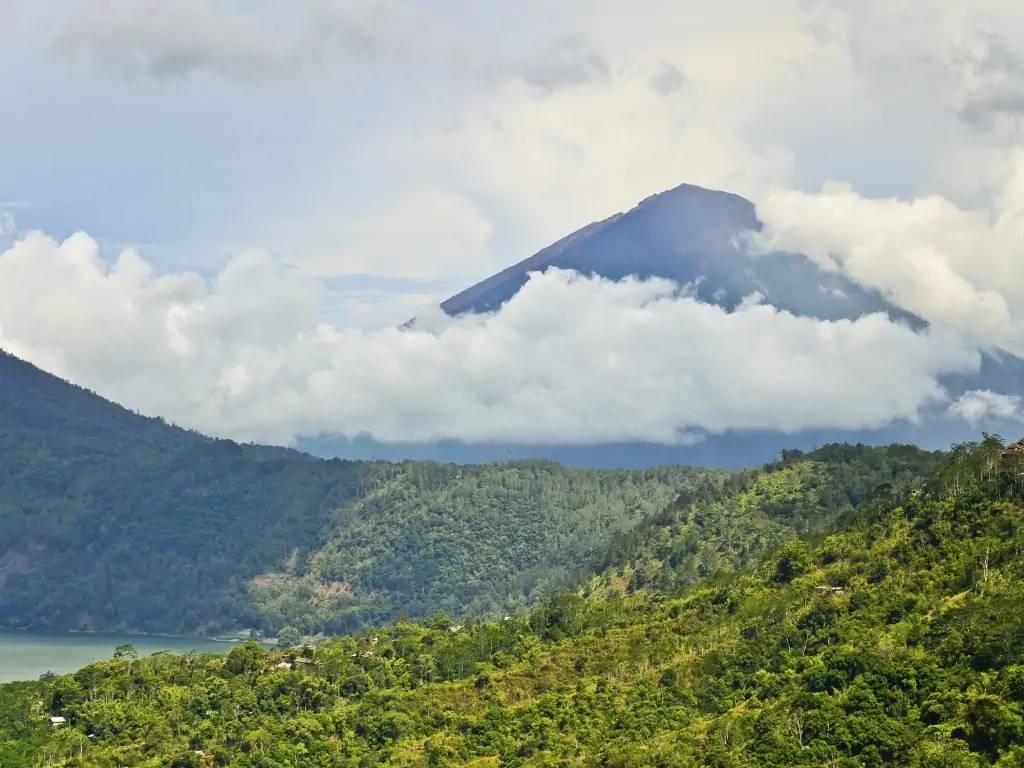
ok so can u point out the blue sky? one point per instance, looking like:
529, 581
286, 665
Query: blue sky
383, 154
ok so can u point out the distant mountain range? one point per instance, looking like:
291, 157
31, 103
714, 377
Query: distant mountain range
701, 239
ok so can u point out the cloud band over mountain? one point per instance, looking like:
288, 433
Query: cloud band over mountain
569, 359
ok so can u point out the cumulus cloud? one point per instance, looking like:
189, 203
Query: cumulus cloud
568, 360
966, 52
955, 268
979, 405
992, 78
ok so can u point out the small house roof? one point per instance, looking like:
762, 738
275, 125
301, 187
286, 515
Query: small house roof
57, 719
1017, 447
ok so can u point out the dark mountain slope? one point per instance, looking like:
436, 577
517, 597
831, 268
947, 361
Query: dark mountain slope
110, 520
113, 520
46, 405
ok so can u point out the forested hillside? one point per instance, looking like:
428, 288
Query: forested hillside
896, 639
479, 541
727, 521
114, 521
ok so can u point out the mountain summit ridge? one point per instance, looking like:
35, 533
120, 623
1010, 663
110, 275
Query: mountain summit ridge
696, 237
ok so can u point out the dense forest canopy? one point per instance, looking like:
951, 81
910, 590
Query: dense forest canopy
727, 521
892, 636
479, 540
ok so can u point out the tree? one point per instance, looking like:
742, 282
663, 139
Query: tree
794, 560
126, 651
289, 637
992, 723
247, 657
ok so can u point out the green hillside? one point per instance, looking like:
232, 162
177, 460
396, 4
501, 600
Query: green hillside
481, 540
897, 639
728, 521
115, 521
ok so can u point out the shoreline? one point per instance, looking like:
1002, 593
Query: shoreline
125, 633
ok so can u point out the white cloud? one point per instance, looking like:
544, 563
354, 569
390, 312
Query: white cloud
666, 79
579, 154
954, 268
980, 405
168, 41
967, 51
992, 79
568, 359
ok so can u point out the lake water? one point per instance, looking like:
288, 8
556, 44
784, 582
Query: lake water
27, 655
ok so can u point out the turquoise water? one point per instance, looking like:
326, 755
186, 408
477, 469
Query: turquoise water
27, 655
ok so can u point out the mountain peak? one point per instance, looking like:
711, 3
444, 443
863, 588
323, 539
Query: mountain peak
694, 236
692, 194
